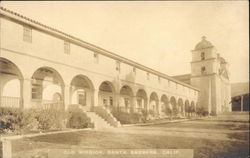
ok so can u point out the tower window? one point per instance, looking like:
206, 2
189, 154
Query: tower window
148, 76
159, 79
66, 47
203, 70
134, 70
202, 56
27, 34
118, 68
96, 58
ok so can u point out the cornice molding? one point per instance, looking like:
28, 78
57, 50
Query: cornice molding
18, 18
197, 61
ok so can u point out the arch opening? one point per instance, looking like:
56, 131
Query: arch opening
164, 105
187, 108
106, 95
126, 98
141, 101
193, 109
10, 78
173, 105
82, 92
47, 88
154, 103
180, 107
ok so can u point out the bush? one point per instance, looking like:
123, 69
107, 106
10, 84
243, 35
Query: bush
175, 111
50, 119
168, 111
128, 118
78, 119
10, 118
201, 111
23, 120
29, 121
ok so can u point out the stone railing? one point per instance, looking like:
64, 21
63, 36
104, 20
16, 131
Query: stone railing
13, 102
52, 105
106, 115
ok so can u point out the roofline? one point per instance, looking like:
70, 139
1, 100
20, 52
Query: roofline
202, 48
239, 95
54, 32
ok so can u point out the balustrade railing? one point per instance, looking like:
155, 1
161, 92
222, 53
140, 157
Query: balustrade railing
13, 102
47, 104
130, 109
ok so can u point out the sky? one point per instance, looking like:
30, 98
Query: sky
159, 35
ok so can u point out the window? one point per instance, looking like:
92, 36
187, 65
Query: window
111, 101
105, 102
126, 102
134, 70
202, 56
118, 68
96, 58
66, 47
36, 92
159, 79
81, 98
139, 103
203, 70
148, 76
27, 34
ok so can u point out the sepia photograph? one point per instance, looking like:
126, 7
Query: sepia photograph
124, 79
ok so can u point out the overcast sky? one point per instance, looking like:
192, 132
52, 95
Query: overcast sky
159, 35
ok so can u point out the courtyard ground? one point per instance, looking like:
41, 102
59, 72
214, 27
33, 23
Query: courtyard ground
225, 136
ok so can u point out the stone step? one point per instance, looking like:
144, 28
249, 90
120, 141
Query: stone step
98, 121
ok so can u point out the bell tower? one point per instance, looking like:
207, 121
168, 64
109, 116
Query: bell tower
204, 72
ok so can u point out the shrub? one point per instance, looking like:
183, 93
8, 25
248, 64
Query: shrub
10, 118
175, 111
78, 119
50, 119
128, 118
20, 120
169, 112
29, 121
201, 111
144, 113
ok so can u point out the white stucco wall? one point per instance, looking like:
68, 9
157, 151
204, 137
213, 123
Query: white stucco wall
47, 50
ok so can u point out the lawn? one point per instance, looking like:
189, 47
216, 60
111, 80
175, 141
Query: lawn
211, 137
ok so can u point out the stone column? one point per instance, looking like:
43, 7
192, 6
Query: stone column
134, 103
66, 96
241, 103
26, 93
117, 98
95, 98
183, 110
148, 104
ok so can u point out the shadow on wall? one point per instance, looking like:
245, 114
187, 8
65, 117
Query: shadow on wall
236, 103
130, 77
